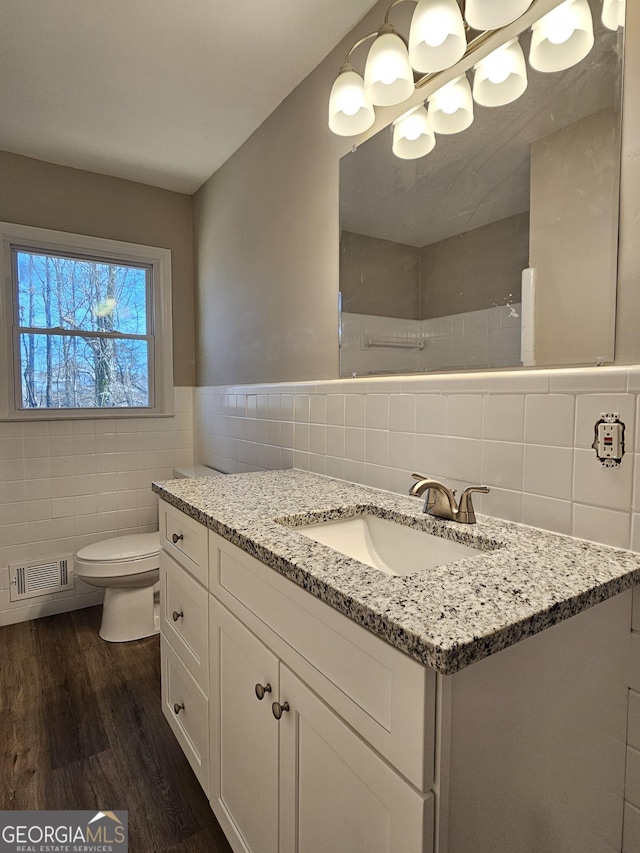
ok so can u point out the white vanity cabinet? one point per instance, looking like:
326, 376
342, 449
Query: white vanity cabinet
184, 641
373, 752
288, 771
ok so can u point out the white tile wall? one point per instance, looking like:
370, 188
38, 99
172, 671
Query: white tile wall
525, 434
65, 484
472, 339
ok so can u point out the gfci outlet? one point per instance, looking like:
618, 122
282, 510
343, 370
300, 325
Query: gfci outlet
609, 440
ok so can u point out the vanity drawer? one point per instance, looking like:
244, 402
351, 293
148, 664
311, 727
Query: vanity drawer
190, 724
386, 696
185, 539
184, 618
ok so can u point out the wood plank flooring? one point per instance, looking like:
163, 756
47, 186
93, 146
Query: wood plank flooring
81, 727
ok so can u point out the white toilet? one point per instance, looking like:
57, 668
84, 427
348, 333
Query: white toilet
128, 567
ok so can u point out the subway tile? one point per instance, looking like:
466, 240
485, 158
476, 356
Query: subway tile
354, 471
317, 463
464, 459
287, 406
502, 503
502, 464
548, 471
503, 417
376, 476
354, 443
318, 438
301, 411
355, 410
431, 414
402, 413
431, 455
377, 447
549, 419
610, 527
464, 415
335, 441
318, 409
402, 450
584, 380
377, 411
519, 382
547, 513
335, 467
606, 487
336, 409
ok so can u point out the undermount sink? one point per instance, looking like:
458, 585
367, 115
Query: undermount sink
386, 545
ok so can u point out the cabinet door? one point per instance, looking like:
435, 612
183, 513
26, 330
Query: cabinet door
244, 735
336, 793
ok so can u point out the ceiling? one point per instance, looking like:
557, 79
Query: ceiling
156, 91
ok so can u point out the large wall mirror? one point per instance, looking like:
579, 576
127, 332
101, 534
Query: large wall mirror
499, 247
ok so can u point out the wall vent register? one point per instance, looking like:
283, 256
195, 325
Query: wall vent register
29, 580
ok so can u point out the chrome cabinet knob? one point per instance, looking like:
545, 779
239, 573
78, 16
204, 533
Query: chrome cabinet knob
177, 708
175, 615
261, 689
279, 709
176, 538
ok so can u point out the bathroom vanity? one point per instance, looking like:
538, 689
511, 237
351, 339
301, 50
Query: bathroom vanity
474, 707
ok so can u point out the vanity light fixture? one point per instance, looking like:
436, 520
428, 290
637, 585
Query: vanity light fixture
562, 37
437, 38
501, 77
451, 107
412, 135
613, 13
437, 41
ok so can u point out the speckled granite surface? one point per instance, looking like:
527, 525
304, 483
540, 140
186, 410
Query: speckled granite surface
446, 617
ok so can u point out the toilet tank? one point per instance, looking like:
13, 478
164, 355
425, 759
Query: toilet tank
195, 471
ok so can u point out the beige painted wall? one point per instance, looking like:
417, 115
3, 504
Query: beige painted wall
478, 269
267, 233
379, 277
44, 195
573, 244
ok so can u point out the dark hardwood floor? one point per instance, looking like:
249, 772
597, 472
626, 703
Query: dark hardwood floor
81, 727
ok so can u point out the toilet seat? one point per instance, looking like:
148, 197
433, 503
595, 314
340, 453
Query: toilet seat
123, 555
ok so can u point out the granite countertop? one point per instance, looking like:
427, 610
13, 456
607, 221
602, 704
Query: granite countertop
446, 617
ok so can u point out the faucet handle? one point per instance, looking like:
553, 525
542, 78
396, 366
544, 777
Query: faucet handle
466, 512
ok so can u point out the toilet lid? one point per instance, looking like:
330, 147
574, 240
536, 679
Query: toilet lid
122, 548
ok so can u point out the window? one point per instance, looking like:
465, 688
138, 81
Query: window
88, 326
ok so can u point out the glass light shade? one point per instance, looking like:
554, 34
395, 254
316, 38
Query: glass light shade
501, 77
349, 111
437, 38
451, 108
388, 78
492, 14
563, 37
613, 13
412, 136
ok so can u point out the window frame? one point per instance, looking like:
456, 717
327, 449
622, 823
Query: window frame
15, 238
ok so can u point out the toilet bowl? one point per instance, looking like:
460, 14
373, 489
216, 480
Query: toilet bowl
128, 568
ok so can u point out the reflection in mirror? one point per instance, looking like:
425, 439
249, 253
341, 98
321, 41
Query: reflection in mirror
499, 247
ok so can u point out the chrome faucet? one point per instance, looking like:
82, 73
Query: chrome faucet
441, 502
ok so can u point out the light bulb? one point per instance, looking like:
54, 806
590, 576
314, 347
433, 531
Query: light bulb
388, 78
412, 136
451, 107
349, 111
562, 37
437, 38
613, 13
561, 25
501, 77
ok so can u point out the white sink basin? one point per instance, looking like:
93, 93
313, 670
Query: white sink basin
393, 548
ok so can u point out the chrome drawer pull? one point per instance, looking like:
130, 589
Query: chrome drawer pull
261, 690
175, 538
278, 709
175, 615
177, 708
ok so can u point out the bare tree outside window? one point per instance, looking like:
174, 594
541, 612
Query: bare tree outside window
84, 332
